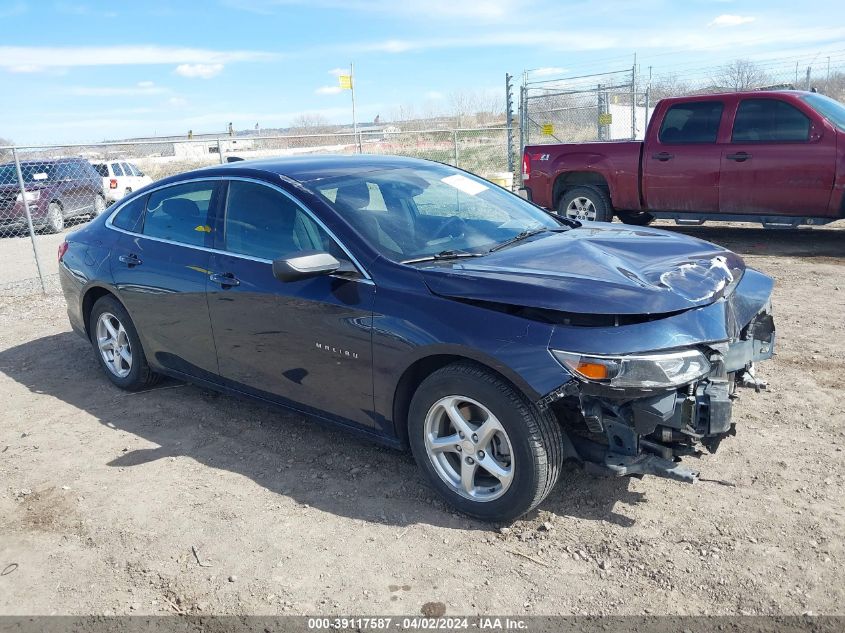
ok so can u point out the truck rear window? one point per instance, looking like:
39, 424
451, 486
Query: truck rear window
694, 122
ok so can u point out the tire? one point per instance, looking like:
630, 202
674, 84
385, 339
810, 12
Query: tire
528, 452
55, 221
636, 218
99, 205
134, 374
585, 204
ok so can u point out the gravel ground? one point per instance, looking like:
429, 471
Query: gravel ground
180, 500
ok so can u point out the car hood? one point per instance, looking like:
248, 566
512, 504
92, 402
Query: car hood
600, 269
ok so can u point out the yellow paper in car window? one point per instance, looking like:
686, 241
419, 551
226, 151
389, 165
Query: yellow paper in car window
462, 183
203, 228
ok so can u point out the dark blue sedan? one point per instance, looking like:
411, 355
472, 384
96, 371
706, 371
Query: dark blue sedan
425, 307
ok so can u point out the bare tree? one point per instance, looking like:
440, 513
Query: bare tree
741, 74
670, 85
5, 154
310, 123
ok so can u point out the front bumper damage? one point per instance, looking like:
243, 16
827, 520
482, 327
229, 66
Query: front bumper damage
627, 432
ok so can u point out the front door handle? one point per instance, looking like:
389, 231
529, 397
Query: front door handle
663, 156
130, 260
226, 280
739, 157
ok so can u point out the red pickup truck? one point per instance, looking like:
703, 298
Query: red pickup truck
776, 157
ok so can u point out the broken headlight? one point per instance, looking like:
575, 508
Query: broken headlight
642, 371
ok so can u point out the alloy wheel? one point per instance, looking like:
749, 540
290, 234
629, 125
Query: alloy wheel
113, 343
469, 448
581, 209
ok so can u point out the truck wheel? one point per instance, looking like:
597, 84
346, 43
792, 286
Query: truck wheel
55, 218
585, 204
489, 452
637, 218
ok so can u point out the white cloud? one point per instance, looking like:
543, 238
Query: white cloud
546, 71
177, 102
328, 90
337, 72
201, 71
39, 58
146, 84
727, 19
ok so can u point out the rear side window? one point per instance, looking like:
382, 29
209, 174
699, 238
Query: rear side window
130, 168
127, 171
694, 122
769, 120
102, 169
180, 213
130, 216
115, 167
261, 222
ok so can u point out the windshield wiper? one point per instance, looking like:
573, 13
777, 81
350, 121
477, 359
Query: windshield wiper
442, 255
524, 236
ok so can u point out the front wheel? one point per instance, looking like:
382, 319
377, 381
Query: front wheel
99, 205
636, 218
586, 204
488, 451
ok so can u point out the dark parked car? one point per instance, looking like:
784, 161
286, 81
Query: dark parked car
426, 307
55, 191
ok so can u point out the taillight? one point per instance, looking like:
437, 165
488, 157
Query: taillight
526, 166
63, 249
113, 183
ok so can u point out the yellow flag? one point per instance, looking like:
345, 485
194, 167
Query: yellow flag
345, 81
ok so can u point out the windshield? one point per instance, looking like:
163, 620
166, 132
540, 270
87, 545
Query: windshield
829, 108
31, 173
417, 212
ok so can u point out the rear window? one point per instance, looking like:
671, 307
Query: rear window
693, 122
130, 215
102, 169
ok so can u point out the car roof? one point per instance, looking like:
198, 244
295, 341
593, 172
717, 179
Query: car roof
309, 168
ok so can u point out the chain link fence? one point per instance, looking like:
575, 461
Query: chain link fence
47, 191
598, 107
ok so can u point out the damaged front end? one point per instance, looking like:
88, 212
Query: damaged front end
670, 395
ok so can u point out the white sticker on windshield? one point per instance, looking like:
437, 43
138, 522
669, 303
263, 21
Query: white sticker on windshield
39, 176
462, 183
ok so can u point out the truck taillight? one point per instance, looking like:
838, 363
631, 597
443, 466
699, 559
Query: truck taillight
62, 250
113, 183
526, 166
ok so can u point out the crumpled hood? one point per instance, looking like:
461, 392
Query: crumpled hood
600, 269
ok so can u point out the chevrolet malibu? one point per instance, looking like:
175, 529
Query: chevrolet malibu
424, 307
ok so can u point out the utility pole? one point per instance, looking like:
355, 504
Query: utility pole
354, 119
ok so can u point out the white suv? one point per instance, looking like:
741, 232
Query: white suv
120, 178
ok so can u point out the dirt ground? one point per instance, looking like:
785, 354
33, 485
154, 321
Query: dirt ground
182, 500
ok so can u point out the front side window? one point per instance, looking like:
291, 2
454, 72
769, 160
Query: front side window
180, 213
264, 223
768, 121
414, 212
116, 168
692, 122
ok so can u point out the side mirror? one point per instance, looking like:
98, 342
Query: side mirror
304, 265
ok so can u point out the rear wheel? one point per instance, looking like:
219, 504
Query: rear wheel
637, 218
487, 450
586, 204
55, 218
99, 205
118, 347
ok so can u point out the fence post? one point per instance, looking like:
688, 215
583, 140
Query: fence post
29, 219
455, 141
220, 152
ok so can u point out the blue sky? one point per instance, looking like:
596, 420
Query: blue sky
76, 71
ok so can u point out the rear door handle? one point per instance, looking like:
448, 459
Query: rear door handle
226, 280
663, 156
130, 260
739, 157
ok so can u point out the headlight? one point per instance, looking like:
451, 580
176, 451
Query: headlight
31, 196
670, 369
